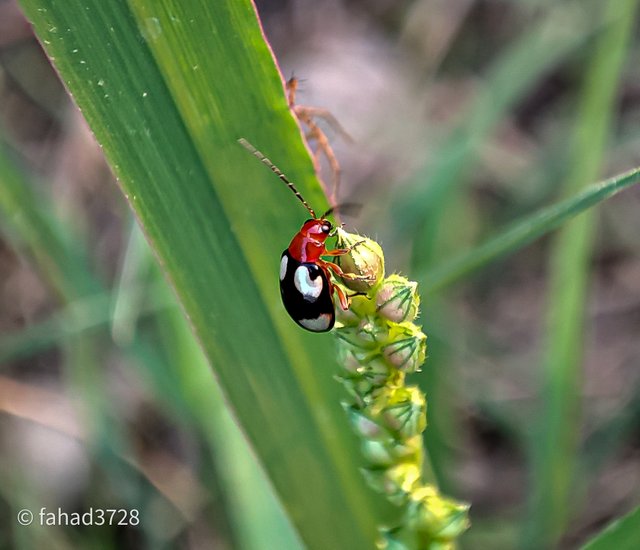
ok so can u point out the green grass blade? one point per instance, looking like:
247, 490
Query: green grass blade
78, 318
622, 534
258, 520
129, 299
423, 207
65, 267
554, 449
429, 200
525, 231
168, 87
607, 439
62, 264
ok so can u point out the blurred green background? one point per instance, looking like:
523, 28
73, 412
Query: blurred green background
465, 116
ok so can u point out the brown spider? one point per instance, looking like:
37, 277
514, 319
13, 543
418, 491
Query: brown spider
306, 115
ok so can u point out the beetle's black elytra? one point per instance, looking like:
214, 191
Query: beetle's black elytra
306, 294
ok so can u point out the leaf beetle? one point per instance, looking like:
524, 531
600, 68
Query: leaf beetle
306, 285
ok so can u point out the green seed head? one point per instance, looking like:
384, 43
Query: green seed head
397, 299
366, 260
400, 481
407, 349
405, 411
378, 345
365, 426
435, 515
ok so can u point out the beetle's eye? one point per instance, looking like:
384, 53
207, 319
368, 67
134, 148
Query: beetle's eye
326, 227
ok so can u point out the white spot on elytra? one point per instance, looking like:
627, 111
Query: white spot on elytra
319, 324
309, 289
283, 267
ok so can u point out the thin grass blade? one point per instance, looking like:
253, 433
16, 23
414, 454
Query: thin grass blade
525, 231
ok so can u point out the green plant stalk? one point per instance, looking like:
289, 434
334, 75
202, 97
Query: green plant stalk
554, 455
378, 345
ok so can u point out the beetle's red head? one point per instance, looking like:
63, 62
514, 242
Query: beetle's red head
317, 229
308, 243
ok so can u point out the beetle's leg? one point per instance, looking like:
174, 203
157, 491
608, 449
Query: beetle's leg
342, 296
342, 251
338, 272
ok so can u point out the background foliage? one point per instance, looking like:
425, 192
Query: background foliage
467, 116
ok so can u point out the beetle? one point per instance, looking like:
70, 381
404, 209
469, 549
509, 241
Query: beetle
306, 285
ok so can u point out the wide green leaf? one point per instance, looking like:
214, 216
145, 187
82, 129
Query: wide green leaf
168, 87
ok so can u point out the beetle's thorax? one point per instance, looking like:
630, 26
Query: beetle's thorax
309, 243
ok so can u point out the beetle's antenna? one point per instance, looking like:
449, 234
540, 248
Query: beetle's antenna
277, 172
